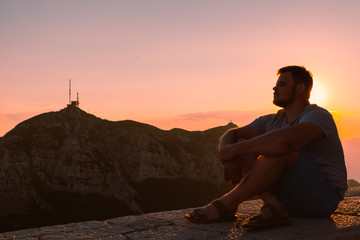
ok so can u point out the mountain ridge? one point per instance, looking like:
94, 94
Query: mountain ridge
69, 165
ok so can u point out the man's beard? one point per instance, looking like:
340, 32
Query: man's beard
284, 103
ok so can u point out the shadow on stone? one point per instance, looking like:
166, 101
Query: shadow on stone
65, 208
164, 194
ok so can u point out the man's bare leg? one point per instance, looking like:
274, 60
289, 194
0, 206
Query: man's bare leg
238, 167
265, 172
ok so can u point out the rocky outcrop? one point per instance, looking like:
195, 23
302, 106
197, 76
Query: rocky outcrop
69, 166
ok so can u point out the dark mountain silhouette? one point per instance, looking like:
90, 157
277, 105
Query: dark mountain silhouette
353, 183
69, 166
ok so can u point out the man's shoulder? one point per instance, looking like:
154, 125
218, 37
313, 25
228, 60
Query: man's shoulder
273, 116
317, 115
315, 109
272, 119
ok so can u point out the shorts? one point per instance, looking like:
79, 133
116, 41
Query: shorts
304, 190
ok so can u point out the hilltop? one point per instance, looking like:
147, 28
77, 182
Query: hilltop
70, 166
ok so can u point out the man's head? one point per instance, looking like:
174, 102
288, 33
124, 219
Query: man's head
294, 82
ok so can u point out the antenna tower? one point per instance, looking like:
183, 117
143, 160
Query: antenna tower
69, 91
73, 103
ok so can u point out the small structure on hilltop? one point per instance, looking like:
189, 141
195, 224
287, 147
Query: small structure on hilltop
73, 103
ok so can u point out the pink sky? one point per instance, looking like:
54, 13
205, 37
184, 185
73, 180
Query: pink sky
187, 64
160, 61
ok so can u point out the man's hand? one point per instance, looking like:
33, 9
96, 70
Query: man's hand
225, 153
232, 171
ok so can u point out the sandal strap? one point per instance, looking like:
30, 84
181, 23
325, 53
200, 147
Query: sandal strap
198, 215
274, 211
223, 212
200, 212
275, 220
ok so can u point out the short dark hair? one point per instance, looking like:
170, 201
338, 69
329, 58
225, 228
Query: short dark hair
300, 75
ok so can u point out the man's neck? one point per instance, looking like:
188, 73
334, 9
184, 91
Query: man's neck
294, 110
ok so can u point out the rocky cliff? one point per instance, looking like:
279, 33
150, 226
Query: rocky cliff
71, 166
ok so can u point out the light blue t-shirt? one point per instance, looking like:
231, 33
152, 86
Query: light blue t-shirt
327, 152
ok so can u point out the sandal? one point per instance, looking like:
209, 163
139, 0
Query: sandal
224, 214
274, 221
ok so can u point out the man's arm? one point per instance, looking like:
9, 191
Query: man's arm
233, 169
277, 142
233, 135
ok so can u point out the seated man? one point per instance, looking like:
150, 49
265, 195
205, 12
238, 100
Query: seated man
292, 159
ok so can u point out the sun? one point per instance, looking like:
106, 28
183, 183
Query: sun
318, 94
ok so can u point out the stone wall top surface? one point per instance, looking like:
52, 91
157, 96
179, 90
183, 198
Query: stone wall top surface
344, 224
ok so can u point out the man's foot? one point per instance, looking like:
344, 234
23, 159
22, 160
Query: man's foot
270, 216
211, 213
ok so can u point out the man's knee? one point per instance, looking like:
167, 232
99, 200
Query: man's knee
288, 160
291, 158
246, 162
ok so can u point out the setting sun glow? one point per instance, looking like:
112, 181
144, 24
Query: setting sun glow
319, 94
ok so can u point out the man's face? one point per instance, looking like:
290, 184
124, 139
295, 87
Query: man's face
284, 91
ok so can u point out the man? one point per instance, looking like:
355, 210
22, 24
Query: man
292, 159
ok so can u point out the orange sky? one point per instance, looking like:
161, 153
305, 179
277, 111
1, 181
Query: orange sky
187, 64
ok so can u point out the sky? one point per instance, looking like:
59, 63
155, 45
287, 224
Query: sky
191, 64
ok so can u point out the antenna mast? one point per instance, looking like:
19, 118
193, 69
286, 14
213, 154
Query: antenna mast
73, 103
69, 91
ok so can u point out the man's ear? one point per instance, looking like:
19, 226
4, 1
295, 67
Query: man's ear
300, 88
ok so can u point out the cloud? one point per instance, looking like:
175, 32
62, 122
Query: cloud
242, 115
209, 119
348, 123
